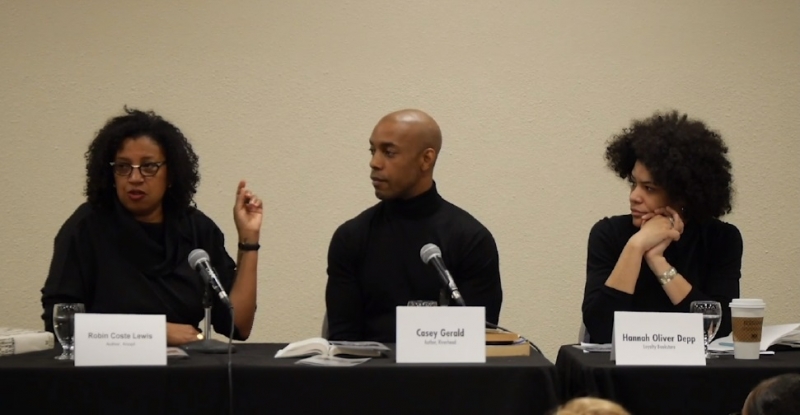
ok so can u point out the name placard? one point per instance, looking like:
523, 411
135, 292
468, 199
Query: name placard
663, 339
120, 340
441, 335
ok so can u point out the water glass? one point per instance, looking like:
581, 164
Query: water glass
64, 327
712, 317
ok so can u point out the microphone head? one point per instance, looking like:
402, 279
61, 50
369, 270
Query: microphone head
196, 256
429, 251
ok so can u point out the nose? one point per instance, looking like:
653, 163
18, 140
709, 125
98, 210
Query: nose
135, 176
636, 195
375, 163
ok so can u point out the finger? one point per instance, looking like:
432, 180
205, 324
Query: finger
250, 199
679, 226
255, 203
663, 219
192, 334
240, 193
647, 216
673, 213
677, 221
186, 328
252, 205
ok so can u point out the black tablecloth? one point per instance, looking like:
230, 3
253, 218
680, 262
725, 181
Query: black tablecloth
36, 383
720, 387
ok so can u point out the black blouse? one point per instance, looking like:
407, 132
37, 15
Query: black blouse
112, 263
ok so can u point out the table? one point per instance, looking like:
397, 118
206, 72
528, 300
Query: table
718, 388
36, 383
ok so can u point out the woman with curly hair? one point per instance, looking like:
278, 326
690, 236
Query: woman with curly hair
125, 249
672, 248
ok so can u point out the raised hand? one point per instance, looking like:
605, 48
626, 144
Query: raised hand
247, 214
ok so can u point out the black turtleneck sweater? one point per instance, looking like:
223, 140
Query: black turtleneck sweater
374, 265
708, 256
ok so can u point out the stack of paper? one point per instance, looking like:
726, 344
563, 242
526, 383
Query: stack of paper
594, 347
783, 334
19, 340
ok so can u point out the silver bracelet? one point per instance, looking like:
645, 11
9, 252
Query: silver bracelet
667, 276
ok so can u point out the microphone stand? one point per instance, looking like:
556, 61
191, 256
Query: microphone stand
445, 294
208, 345
444, 297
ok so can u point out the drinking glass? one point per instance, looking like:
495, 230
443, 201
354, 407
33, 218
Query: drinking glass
64, 327
712, 317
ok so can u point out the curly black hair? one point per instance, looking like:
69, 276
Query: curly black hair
683, 156
182, 173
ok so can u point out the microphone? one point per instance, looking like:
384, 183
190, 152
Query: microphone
431, 254
198, 260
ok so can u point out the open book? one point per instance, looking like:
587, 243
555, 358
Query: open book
781, 334
322, 347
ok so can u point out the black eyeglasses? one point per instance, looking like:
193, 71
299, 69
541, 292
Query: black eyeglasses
148, 169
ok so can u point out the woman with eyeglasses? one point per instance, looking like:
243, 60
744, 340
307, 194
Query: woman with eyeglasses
125, 250
672, 248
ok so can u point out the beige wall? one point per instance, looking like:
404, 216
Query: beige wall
285, 93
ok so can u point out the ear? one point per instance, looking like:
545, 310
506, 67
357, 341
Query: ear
428, 159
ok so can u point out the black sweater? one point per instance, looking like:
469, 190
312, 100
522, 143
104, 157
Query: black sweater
114, 264
708, 256
374, 264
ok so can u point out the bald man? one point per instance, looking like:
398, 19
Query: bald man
373, 259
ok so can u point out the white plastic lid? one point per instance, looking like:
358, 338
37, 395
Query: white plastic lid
748, 303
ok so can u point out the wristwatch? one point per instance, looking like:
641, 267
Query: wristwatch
667, 276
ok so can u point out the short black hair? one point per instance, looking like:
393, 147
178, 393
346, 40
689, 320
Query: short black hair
684, 157
776, 396
182, 172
